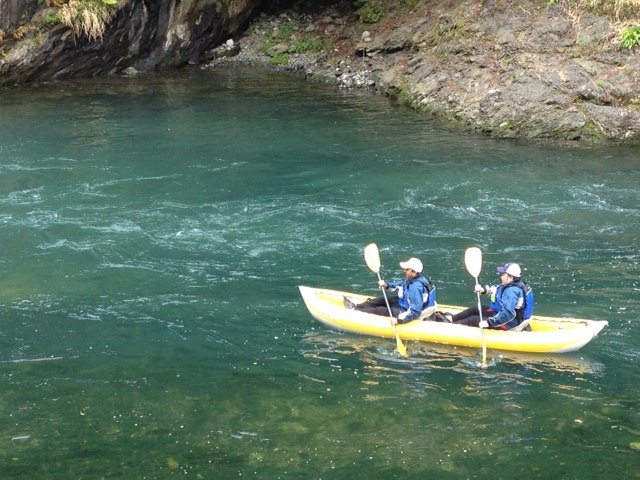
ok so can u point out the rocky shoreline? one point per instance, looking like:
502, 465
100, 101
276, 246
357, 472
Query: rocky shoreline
530, 69
345, 71
539, 75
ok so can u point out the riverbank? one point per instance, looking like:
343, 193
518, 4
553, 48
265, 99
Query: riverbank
529, 69
523, 70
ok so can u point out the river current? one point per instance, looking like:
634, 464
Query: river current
154, 231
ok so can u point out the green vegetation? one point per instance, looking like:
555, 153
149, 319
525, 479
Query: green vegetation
630, 36
267, 42
306, 44
284, 33
369, 13
372, 11
279, 59
52, 19
404, 97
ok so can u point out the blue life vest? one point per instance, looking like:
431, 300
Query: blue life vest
428, 293
428, 300
524, 309
527, 308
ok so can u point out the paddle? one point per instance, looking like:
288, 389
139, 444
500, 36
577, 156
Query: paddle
473, 262
372, 257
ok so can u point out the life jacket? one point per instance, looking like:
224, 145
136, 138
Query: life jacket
428, 298
524, 308
527, 307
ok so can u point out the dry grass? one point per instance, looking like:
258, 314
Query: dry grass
87, 17
618, 10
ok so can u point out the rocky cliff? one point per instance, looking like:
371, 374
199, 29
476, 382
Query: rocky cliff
520, 69
138, 34
513, 69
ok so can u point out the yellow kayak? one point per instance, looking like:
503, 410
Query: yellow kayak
548, 334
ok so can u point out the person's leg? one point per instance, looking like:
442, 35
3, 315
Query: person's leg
373, 303
383, 311
463, 315
472, 321
367, 304
471, 316
378, 306
472, 312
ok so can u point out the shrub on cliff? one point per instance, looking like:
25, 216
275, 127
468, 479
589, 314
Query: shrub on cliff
88, 17
630, 36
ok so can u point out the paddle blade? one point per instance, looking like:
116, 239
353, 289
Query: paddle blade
372, 257
402, 350
473, 261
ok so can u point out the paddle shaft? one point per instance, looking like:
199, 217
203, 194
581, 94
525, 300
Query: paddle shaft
386, 300
484, 343
372, 257
473, 263
401, 347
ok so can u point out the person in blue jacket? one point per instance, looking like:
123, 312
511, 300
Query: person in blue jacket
510, 303
414, 293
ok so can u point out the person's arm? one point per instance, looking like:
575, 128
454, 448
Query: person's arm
415, 303
393, 284
508, 302
485, 289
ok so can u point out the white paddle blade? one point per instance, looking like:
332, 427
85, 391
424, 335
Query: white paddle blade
473, 261
372, 257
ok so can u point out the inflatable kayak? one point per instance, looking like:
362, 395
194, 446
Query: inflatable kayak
547, 334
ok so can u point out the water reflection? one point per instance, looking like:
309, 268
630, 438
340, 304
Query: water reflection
332, 346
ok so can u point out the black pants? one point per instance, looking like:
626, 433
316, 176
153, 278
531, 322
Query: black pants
471, 316
378, 306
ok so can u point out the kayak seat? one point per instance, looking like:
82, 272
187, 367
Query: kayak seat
523, 327
428, 312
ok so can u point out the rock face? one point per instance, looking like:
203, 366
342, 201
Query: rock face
142, 34
529, 72
520, 69
523, 69
11, 11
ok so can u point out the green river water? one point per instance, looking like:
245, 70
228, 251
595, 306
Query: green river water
154, 231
